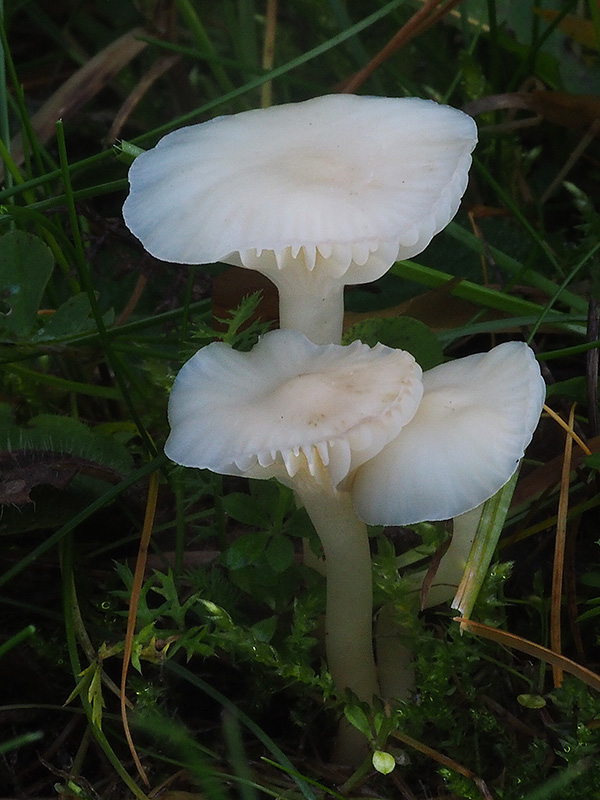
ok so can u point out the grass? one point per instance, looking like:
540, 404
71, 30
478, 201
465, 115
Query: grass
226, 694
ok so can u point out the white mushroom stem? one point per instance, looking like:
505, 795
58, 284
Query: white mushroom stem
319, 317
348, 633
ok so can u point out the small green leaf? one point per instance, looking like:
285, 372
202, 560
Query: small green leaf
244, 508
383, 762
531, 700
218, 615
280, 553
357, 717
247, 549
126, 151
26, 264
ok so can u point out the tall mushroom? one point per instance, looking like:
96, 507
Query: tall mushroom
308, 415
329, 422
316, 195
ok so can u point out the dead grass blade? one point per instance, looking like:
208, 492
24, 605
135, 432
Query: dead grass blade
138, 579
80, 88
531, 649
559, 552
427, 16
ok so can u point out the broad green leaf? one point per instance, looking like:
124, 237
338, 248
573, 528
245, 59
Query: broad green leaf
26, 264
280, 553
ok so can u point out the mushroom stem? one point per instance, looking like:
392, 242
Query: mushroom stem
348, 634
319, 316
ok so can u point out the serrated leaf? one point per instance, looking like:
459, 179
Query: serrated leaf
26, 264
218, 615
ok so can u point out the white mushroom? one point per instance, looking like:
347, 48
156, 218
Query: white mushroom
351, 431
315, 195
308, 415
477, 416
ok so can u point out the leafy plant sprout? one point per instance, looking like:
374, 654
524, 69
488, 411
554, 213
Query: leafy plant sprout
315, 195
319, 417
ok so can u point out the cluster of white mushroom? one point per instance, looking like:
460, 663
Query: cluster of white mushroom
317, 195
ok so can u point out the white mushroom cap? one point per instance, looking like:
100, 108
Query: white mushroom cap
289, 408
477, 416
341, 184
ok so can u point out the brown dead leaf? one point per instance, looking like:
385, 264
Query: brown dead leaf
23, 470
531, 649
574, 111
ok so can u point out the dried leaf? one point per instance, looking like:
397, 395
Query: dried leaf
23, 470
531, 649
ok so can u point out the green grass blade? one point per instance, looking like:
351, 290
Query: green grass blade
184, 673
488, 532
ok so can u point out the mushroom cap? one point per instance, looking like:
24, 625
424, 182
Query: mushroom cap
477, 416
341, 183
289, 408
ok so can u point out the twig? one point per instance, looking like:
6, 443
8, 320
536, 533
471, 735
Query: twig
421, 20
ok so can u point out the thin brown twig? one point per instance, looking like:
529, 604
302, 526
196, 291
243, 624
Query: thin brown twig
134, 299
427, 16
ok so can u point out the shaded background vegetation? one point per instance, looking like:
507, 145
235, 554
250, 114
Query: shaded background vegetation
227, 692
